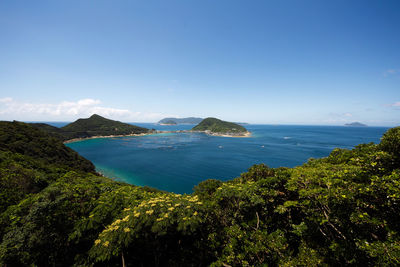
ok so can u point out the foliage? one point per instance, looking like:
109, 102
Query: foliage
340, 210
24, 139
218, 126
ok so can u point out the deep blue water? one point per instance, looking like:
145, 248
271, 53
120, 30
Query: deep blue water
177, 162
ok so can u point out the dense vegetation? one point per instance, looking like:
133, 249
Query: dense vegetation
218, 126
189, 120
93, 126
340, 210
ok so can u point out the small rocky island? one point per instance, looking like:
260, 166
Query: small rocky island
356, 124
218, 127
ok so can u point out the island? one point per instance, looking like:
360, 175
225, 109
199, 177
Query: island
93, 127
189, 120
168, 122
217, 127
356, 124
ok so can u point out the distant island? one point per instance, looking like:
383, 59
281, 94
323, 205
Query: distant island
356, 124
189, 120
168, 122
219, 127
95, 126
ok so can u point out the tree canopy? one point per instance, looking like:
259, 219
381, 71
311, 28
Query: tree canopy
343, 209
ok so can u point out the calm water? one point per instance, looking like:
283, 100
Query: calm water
177, 162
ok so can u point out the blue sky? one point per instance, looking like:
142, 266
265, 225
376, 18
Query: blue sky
285, 62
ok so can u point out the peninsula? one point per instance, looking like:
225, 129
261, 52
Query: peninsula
219, 127
95, 126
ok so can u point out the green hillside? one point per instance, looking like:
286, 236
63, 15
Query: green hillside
218, 126
97, 125
340, 210
93, 126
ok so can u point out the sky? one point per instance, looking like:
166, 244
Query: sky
268, 62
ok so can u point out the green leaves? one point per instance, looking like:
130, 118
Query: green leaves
339, 210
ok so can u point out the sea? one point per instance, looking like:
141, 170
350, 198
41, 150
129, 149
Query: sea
176, 162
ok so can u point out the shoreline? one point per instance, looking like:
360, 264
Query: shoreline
104, 136
245, 135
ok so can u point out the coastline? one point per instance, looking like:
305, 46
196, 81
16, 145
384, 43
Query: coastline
234, 135
245, 135
104, 136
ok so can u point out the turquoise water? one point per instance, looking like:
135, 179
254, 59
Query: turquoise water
177, 162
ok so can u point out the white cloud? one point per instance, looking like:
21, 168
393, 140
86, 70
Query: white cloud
5, 100
396, 104
68, 110
391, 72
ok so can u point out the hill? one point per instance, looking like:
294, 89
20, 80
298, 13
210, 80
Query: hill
216, 126
356, 124
189, 120
340, 210
99, 126
94, 126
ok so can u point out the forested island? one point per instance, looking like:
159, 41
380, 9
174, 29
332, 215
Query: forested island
356, 124
95, 126
189, 120
56, 210
219, 127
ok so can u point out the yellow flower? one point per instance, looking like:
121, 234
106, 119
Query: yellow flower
199, 202
149, 212
126, 218
136, 214
185, 218
126, 209
160, 219
171, 208
106, 244
188, 207
117, 221
153, 204
166, 215
195, 213
98, 241
126, 230
177, 205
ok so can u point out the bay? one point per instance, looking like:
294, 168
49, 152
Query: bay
176, 162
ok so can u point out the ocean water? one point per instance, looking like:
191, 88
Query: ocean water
176, 162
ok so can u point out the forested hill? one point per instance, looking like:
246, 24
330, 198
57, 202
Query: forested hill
340, 210
219, 126
94, 126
